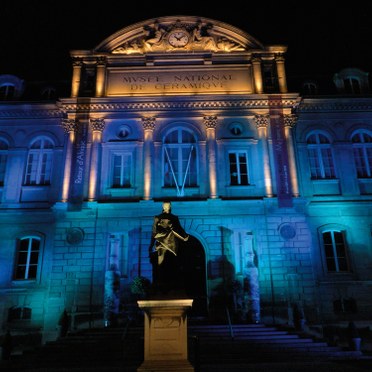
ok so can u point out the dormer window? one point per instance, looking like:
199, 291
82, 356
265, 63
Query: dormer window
7, 92
352, 86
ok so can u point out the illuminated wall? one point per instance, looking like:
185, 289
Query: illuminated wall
267, 183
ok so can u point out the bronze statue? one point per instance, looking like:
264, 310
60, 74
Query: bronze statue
166, 234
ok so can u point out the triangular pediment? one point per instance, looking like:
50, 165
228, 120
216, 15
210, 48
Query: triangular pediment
178, 34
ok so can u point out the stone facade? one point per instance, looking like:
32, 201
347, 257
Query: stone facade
278, 218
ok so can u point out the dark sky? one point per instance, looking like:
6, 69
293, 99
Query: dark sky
322, 36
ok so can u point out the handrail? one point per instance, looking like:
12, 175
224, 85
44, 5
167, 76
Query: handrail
229, 322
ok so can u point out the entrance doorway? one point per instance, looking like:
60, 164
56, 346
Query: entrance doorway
192, 259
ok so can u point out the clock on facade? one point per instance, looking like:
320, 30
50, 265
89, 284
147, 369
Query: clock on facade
178, 38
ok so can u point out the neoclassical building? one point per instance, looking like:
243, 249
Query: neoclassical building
273, 187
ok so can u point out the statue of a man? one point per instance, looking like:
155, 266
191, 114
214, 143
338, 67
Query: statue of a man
166, 233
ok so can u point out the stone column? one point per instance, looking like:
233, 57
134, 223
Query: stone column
69, 126
289, 123
257, 74
101, 76
77, 65
148, 127
280, 69
262, 124
97, 127
210, 123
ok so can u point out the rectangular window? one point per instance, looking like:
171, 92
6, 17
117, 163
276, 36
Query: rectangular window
39, 168
335, 251
238, 168
3, 159
27, 258
122, 170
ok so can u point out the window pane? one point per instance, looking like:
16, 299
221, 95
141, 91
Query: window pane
20, 272
32, 272
331, 265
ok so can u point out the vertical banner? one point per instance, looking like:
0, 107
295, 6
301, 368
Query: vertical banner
280, 152
78, 167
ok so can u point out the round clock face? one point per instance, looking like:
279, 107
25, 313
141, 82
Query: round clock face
178, 38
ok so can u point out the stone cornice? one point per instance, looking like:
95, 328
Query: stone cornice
177, 104
26, 111
352, 104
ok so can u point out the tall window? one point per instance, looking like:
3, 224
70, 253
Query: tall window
335, 251
3, 160
238, 168
122, 170
362, 148
179, 165
28, 251
39, 162
320, 157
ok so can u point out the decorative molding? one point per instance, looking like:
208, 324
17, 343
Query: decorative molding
262, 121
69, 125
210, 122
97, 124
179, 36
290, 120
31, 114
166, 105
149, 123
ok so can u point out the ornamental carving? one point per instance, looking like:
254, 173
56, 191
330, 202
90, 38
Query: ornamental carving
69, 125
262, 121
198, 36
210, 122
148, 123
97, 125
290, 120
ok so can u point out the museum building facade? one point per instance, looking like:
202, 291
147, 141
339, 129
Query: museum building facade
274, 188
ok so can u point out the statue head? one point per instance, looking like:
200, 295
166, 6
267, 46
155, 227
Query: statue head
167, 207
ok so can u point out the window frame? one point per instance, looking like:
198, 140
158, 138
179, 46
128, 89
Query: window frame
364, 169
323, 162
341, 230
42, 166
186, 154
238, 152
122, 155
17, 263
4, 154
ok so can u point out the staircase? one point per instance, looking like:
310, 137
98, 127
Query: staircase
121, 349
256, 343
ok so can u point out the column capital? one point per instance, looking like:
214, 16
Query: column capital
69, 125
256, 58
210, 122
77, 62
279, 57
97, 124
101, 61
148, 123
290, 120
262, 121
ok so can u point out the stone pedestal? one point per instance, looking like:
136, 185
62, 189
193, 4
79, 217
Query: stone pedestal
165, 344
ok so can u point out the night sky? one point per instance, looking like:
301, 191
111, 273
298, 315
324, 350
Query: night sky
322, 37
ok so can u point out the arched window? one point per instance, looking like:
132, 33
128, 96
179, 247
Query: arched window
362, 148
39, 162
28, 251
7, 92
310, 88
179, 160
3, 160
334, 244
320, 156
352, 85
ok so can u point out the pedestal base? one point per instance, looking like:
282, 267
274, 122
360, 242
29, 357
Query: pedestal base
162, 365
165, 343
